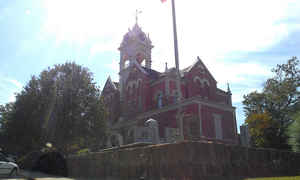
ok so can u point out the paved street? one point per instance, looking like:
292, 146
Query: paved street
25, 175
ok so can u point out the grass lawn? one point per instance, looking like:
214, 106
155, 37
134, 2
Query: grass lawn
276, 178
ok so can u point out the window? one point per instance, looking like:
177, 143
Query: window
143, 63
2, 158
218, 126
133, 90
129, 91
159, 100
192, 127
126, 64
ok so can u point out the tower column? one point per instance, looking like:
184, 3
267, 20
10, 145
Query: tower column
122, 64
148, 60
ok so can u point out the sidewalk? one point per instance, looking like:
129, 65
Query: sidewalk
30, 175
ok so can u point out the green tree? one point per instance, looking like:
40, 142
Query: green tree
279, 99
61, 106
6, 114
262, 129
294, 133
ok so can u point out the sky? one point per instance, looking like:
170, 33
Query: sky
240, 41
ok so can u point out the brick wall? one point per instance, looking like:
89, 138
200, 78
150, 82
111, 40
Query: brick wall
185, 161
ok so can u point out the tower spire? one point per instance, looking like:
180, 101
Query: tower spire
137, 12
166, 68
228, 89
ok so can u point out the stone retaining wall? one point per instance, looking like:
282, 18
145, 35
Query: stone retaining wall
185, 161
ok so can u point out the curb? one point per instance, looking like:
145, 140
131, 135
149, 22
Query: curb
22, 174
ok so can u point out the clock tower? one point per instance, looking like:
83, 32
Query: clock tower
136, 47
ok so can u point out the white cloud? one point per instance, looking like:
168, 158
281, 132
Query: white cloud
16, 83
28, 12
4, 13
237, 72
12, 97
237, 96
102, 47
114, 66
205, 28
242, 77
8, 88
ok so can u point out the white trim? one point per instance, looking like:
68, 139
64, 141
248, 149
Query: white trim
201, 80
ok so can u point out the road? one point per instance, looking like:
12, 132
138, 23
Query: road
26, 175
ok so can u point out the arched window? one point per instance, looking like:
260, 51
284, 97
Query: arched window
206, 87
133, 90
159, 100
198, 85
139, 82
139, 94
126, 64
196, 79
206, 82
129, 91
176, 96
143, 63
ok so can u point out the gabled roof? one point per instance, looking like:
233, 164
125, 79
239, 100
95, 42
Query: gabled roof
109, 84
152, 73
189, 68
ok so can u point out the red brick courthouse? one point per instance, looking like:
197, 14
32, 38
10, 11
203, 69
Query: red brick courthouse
144, 93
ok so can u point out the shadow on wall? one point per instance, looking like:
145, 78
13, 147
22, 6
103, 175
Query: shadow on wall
185, 161
50, 163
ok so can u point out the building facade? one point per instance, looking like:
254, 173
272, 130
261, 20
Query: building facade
143, 93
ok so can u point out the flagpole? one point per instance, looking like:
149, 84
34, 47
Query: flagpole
175, 36
178, 82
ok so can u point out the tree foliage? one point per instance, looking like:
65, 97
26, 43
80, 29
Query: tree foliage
262, 128
276, 103
294, 133
61, 106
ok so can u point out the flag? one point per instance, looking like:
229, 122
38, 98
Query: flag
163, 1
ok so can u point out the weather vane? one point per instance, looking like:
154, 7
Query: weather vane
137, 12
